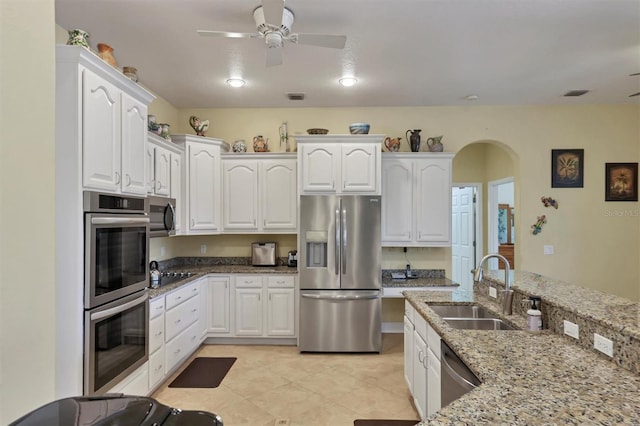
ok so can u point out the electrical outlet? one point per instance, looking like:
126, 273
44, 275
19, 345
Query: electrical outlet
493, 292
603, 344
548, 249
203, 248
571, 329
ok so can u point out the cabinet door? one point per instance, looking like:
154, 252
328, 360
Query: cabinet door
240, 194
248, 311
420, 375
433, 196
204, 181
433, 383
279, 195
397, 201
100, 133
408, 353
320, 168
218, 307
162, 167
151, 163
359, 171
175, 187
134, 138
281, 312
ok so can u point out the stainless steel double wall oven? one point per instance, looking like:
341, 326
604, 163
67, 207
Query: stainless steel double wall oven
115, 288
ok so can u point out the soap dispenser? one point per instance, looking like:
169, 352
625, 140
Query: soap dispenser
534, 316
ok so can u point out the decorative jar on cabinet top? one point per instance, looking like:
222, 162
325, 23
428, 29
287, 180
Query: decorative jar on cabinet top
260, 144
78, 38
106, 53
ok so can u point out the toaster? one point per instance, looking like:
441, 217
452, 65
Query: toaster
263, 254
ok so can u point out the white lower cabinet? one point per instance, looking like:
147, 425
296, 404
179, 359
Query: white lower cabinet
156, 341
264, 306
182, 325
421, 362
218, 306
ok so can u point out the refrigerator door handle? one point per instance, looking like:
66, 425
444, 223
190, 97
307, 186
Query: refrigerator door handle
337, 242
344, 241
340, 297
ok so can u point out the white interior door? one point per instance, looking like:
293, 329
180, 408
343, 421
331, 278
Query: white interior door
462, 236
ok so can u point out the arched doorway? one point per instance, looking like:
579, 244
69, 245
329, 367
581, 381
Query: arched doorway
474, 218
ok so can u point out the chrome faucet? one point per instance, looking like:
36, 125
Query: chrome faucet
508, 293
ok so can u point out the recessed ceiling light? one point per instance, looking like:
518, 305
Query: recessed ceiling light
471, 97
236, 82
348, 81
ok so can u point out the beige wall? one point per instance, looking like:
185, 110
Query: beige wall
27, 178
593, 246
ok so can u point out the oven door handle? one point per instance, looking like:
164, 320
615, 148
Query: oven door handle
116, 310
118, 220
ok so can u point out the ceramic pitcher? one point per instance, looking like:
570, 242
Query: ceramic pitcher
260, 144
434, 144
414, 139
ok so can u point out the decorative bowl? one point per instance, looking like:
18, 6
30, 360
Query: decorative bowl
317, 131
359, 128
239, 146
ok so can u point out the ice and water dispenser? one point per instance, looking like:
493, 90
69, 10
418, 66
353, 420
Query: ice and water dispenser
316, 242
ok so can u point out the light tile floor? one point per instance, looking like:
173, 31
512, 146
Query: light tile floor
276, 385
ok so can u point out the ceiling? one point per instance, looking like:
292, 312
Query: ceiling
403, 52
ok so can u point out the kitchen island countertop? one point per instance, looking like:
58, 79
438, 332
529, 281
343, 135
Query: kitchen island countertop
529, 378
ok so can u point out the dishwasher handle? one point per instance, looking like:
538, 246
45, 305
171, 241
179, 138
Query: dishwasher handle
466, 384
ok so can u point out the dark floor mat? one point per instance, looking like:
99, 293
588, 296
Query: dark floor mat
203, 373
386, 422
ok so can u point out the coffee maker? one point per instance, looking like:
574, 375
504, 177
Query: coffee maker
292, 259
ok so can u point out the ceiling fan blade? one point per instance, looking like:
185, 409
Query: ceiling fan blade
273, 10
631, 75
228, 34
321, 40
635, 94
274, 56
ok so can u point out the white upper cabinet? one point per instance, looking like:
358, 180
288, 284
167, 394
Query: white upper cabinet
259, 193
416, 199
102, 115
339, 164
202, 183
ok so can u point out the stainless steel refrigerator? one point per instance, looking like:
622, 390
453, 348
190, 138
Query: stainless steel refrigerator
340, 274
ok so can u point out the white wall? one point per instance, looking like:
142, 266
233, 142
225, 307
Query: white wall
27, 177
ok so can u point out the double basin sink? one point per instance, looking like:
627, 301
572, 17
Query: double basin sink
470, 317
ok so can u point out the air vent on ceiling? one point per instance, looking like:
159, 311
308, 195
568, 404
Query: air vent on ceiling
295, 96
576, 92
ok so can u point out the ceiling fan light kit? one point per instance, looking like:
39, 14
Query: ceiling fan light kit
274, 22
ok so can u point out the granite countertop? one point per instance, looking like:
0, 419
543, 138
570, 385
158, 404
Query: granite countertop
529, 378
419, 282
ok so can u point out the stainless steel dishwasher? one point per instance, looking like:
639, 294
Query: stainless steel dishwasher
456, 378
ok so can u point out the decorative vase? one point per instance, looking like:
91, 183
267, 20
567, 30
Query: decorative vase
434, 144
130, 72
78, 38
414, 139
106, 53
239, 146
260, 144
393, 145
152, 125
199, 126
164, 131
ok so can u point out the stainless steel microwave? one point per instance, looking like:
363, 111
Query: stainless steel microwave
162, 216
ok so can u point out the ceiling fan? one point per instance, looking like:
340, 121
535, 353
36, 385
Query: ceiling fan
273, 22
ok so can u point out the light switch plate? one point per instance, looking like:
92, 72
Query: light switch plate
603, 344
548, 249
493, 292
571, 329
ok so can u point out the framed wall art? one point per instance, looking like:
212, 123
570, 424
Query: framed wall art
567, 168
621, 182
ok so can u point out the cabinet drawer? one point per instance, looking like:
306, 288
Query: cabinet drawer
156, 333
156, 368
280, 282
421, 325
433, 341
409, 311
180, 295
249, 281
180, 347
180, 317
156, 307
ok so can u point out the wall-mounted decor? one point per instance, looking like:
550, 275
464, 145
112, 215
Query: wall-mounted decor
567, 168
549, 202
536, 228
621, 182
